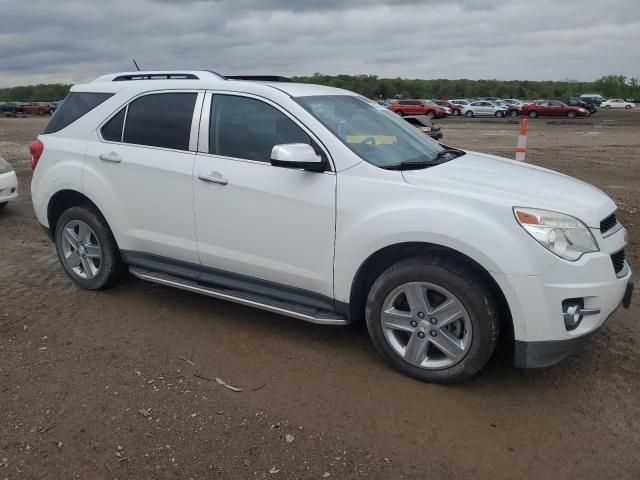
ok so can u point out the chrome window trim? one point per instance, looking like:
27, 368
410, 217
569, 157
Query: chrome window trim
271, 103
195, 123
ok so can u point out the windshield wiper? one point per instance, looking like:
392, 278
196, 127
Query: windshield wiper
441, 157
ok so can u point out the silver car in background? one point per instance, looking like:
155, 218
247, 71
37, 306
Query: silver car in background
484, 108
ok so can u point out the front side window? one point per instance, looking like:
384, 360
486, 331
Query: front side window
247, 128
161, 120
372, 132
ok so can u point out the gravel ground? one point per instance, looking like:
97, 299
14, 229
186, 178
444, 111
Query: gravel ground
122, 383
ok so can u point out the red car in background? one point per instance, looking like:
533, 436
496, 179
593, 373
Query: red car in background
455, 108
37, 108
552, 108
417, 107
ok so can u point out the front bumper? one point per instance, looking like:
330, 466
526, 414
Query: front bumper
536, 301
8, 187
546, 353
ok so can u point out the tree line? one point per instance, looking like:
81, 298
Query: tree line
372, 86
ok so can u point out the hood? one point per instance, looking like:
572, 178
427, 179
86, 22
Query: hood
515, 184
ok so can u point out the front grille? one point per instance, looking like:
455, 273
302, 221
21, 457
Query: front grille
608, 223
618, 260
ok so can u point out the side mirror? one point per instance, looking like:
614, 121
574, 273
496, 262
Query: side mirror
297, 155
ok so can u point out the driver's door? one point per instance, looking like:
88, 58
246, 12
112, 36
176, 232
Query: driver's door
270, 225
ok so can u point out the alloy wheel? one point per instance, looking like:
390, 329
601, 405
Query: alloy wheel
426, 325
81, 249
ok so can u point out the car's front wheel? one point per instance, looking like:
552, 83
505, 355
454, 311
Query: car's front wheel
86, 248
3, 204
571, 114
432, 319
469, 114
514, 113
607, 107
627, 107
533, 114
430, 115
499, 114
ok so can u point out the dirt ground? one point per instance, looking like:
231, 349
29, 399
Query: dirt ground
121, 384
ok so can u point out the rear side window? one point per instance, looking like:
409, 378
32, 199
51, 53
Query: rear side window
76, 105
161, 120
246, 128
112, 130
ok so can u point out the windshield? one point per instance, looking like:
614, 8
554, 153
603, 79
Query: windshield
372, 132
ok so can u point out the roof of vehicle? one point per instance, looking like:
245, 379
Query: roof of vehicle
139, 82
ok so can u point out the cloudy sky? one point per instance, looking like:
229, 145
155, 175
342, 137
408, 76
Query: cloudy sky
72, 41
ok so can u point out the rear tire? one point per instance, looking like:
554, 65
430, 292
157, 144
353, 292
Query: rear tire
3, 204
607, 107
456, 113
86, 249
533, 114
627, 107
411, 340
499, 114
430, 115
514, 113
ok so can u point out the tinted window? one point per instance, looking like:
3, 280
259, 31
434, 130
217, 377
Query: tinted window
247, 128
73, 107
161, 120
112, 130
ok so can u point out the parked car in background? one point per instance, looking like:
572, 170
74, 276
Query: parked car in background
460, 101
512, 109
37, 108
592, 98
11, 109
53, 106
514, 101
617, 103
8, 183
423, 123
418, 107
576, 102
387, 102
553, 108
454, 107
446, 108
484, 108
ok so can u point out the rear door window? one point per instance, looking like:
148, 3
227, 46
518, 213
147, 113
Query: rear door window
161, 120
76, 105
112, 130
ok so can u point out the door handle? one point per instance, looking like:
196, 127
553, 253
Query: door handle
215, 177
110, 157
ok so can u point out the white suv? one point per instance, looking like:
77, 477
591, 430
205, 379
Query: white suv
317, 203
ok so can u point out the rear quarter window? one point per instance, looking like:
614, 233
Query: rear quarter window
76, 105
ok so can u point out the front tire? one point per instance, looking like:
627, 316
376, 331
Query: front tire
533, 114
3, 204
499, 114
627, 107
469, 114
432, 319
86, 249
571, 114
514, 113
607, 107
431, 115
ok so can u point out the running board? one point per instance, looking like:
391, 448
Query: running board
301, 312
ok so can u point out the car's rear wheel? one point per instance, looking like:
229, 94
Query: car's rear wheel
432, 319
627, 107
456, 112
513, 113
3, 204
533, 114
86, 248
607, 107
571, 114
430, 115
499, 114
469, 114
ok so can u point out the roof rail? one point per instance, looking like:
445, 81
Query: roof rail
259, 78
160, 75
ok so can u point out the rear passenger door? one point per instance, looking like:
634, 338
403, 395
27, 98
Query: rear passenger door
257, 224
141, 165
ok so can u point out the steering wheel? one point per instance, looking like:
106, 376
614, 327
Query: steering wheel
369, 141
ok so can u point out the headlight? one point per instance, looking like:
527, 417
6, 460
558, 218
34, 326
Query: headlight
4, 166
564, 235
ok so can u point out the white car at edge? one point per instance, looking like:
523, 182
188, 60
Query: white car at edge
317, 203
617, 103
8, 183
484, 108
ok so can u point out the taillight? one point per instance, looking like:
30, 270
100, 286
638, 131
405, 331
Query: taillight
36, 148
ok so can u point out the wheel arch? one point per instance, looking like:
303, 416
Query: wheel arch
383, 258
63, 200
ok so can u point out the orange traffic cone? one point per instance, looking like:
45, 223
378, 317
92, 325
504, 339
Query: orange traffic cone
521, 149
